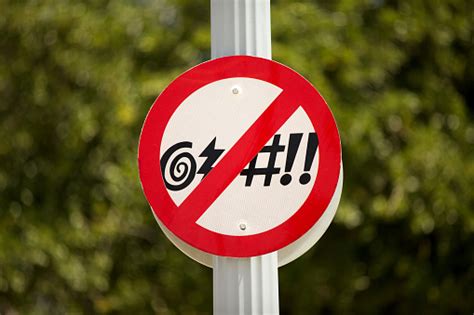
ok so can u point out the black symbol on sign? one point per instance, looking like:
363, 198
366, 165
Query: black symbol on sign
268, 171
182, 169
293, 145
212, 155
310, 153
179, 167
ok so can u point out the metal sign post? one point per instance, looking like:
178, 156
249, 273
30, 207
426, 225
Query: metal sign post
245, 285
208, 128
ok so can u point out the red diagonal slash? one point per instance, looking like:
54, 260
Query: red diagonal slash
182, 220
245, 149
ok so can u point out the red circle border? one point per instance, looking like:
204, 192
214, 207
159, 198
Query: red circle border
316, 109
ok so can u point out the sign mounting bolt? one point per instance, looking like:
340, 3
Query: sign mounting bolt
243, 226
236, 90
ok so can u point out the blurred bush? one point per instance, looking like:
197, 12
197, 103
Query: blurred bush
76, 81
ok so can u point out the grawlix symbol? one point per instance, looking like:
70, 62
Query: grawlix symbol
182, 169
293, 145
268, 171
179, 167
212, 155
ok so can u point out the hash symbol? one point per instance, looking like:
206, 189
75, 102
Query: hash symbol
268, 171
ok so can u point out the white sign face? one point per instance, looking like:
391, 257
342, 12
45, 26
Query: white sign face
240, 157
226, 110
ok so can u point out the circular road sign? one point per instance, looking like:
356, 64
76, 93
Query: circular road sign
240, 156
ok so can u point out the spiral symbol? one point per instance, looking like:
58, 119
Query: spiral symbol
182, 168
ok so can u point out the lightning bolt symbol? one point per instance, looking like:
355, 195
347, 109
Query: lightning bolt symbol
212, 154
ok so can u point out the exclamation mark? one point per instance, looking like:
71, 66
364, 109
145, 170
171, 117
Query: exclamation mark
310, 153
293, 145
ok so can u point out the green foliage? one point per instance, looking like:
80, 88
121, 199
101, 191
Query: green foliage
76, 81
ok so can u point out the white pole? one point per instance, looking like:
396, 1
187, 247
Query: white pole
240, 27
243, 286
